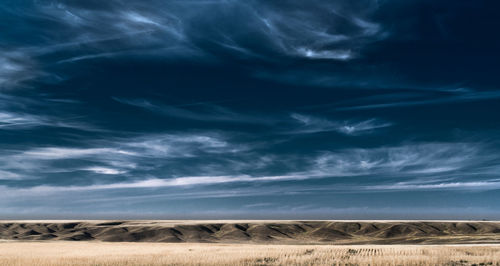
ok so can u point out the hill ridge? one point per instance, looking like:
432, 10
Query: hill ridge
292, 232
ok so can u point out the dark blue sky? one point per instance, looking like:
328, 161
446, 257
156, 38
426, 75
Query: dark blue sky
373, 109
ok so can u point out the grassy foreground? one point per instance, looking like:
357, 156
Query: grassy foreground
111, 254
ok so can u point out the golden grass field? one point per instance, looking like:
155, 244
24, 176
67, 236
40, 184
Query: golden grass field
124, 253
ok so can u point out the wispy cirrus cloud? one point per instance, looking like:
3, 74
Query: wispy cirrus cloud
422, 165
17, 121
14, 120
15, 68
474, 185
163, 183
54, 153
453, 96
432, 158
144, 175
211, 112
337, 55
116, 156
202, 112
104, 170
312, 124
175, 29
6, 175
17, 113
317, 87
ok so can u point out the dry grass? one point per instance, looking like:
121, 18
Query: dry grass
113, 254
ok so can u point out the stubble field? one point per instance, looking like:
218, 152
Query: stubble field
113, 254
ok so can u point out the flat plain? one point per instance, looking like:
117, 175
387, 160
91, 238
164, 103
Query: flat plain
249, 243
59, 253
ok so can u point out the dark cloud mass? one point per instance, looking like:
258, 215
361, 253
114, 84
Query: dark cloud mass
208, 108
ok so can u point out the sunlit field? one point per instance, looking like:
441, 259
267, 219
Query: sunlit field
100, 253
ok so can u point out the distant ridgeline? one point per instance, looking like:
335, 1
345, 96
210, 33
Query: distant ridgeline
282, 232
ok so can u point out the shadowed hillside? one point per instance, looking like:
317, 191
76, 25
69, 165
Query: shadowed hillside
293, 232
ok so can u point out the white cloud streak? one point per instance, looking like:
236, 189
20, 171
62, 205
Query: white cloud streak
19, 113
405, 160
204, 112
427, 165
6, 175
312, 124
342, 55
478, 185
22, 120
173, 29
104, 170
15, 68
13, 120
117, 156
452, 97
54, 153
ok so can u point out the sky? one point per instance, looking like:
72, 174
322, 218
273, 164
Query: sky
249, 109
